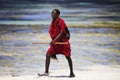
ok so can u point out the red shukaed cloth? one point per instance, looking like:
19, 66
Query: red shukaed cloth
54, 30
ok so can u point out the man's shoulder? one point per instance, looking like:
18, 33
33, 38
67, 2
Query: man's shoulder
61, 20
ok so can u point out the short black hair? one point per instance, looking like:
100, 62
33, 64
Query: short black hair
58, 11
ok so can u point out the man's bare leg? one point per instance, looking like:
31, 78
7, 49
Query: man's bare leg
47, 63
70, 66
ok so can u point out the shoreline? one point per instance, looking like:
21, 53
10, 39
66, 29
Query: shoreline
95, 72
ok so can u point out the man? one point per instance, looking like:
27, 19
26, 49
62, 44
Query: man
58, 34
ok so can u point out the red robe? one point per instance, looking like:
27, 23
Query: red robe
54, 31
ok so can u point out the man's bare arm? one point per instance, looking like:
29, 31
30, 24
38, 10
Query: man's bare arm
58, 37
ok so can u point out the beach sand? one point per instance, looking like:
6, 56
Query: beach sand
96, 72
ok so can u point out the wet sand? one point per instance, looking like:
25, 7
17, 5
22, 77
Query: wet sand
96, 72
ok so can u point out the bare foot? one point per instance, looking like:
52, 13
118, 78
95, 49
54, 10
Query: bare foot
72, 75
45, 74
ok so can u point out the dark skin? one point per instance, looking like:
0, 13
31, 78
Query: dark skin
48, 56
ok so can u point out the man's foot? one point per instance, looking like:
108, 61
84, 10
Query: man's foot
45, 74
72, 75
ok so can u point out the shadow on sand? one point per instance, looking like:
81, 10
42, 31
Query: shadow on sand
60, 76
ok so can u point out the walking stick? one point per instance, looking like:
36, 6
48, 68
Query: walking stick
48, 43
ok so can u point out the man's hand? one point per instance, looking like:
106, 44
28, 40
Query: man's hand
58, 37
52, 42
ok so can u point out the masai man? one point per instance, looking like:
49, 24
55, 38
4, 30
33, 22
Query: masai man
58, 34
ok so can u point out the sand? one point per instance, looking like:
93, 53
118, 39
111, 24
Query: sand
96, 72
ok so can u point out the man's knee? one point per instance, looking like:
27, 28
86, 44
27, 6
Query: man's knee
48, 55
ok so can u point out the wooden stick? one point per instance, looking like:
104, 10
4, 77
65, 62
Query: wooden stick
48, 43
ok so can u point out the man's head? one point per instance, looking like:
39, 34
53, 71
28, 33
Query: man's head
55, 14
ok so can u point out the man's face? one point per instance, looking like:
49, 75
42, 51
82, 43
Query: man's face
54, 15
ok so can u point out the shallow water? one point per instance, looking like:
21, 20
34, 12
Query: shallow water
72, 13
90, 46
